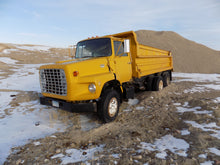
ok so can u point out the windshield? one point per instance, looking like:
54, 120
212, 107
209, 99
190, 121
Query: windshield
94, 48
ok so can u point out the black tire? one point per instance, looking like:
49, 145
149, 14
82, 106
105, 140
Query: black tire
166, 79
158, 83
108, 105
149, 84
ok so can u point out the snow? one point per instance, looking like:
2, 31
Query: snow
217, 100
215, 151
25, 78
37, 143
133, 102
75, 155
20, 121
194, 110
7, 60
196, 77
204, 156
34, 48
116, 156
57, 156
212, 127
20, 126
8, 51
5, 98
167, 142
207, 163
185, 132
139, 108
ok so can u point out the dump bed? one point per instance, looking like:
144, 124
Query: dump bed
146, 60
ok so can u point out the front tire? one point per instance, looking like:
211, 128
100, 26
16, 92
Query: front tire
108, 105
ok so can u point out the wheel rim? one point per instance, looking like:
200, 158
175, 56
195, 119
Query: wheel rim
160, 85
113, 107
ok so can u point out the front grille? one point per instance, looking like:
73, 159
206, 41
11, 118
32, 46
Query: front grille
53, 81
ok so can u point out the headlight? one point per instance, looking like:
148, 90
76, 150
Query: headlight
92, 88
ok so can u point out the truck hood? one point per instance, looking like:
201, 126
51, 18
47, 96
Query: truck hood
85, 66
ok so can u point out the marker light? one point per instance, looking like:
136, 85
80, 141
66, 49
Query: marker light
75, 73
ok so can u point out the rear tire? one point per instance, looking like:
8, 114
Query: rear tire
166, 79
149, 84
158, 83
108, 105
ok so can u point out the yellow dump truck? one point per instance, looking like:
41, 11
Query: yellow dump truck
106, 70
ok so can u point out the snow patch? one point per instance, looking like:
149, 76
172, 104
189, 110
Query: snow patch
194, 110
207, 163
25, 78
185, 132
167, 142
75, 155
204, 156
133, 101
7, 60
215, 151
212, 127
20, 124
37, 143
139, 108
217, 100
57, 156
34, 48
196, 77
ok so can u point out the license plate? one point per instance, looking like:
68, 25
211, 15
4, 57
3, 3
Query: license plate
55, 104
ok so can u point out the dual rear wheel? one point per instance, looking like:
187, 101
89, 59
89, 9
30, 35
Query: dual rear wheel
161, 81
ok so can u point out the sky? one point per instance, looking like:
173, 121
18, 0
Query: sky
61, 23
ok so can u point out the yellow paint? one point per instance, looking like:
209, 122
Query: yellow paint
141, 61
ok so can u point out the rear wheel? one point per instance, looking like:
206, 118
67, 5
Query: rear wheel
149, 83
166, 79
108, 105
158, 83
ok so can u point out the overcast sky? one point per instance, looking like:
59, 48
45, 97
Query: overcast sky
64, 22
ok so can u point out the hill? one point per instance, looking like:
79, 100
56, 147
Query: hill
188, 56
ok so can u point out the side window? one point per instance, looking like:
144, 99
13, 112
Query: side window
119, 48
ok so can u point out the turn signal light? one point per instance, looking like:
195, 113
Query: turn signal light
75, 73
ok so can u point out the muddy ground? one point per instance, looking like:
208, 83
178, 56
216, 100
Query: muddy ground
156, 117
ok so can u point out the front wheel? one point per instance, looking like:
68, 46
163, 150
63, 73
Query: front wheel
108, 105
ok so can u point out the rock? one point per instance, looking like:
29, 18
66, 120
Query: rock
137, 157
46, 160
58, 151
37, 123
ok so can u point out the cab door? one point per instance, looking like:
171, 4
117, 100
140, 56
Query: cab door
122, 61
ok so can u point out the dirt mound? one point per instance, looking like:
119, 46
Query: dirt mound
188, 56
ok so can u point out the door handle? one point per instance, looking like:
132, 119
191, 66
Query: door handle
129, 62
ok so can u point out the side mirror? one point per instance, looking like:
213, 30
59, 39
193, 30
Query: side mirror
126, 46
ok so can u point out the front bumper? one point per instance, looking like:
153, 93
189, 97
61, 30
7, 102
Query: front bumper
68, 106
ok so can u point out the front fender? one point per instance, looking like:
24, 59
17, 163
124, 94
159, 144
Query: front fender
82, 92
